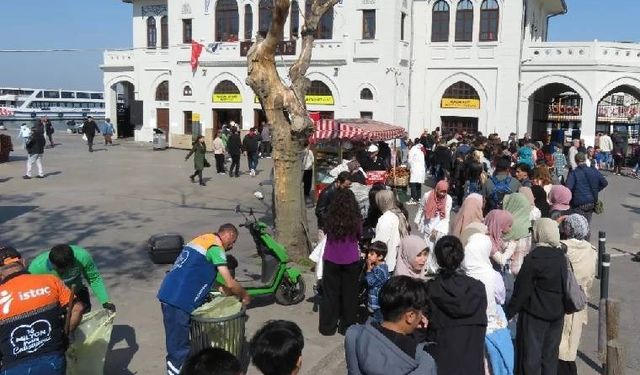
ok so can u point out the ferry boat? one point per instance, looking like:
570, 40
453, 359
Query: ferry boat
21, 104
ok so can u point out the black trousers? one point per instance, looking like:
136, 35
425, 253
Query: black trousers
90, 142
307, 177
235, 165
416, 191
537, 345
339, 297
219, 163
197, 172
567, 368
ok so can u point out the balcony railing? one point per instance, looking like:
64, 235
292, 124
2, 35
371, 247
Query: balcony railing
568, 53
118, 58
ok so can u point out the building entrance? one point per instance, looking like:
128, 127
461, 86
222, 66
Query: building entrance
451, 125
225, 116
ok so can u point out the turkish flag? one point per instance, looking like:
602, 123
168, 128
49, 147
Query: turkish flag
196, 50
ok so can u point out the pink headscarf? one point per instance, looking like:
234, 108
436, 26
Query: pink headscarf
528, 193
434, 205
497, 221
470, 212
560, 197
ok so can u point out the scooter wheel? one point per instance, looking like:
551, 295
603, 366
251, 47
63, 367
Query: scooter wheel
289, 293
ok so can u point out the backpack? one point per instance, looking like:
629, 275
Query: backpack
472, 187
501, 188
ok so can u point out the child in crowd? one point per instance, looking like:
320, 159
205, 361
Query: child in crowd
276, 349
560, 165
212, 361
377, 275
390, 347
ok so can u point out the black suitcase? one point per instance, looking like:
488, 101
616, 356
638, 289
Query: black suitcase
164, 248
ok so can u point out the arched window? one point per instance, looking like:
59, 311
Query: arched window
164, 32
294, 29
187, 91
227, 21
162, 92
461, 90
489, 19
325, 26
248, 22
152, 33
440, 22
366, 94
226, 92
464, 21
264, 16
319, 94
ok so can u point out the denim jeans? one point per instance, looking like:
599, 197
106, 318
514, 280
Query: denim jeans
252, 160
50, 364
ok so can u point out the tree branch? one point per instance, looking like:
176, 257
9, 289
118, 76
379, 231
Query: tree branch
276, 30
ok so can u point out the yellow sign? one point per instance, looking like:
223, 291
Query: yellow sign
256, 99
227, 98
319, 100
195, 117
460, 103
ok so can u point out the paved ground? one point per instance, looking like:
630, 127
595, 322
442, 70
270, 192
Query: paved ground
112, 200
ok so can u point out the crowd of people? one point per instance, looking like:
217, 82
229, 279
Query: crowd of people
478, 284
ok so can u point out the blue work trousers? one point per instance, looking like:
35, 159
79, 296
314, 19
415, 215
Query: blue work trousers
176, 331
49, 364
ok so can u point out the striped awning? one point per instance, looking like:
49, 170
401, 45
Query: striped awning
368, 130
325, 130
6, 111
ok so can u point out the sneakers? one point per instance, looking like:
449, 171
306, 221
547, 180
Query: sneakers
40, 176
252, 173
26, 177
411, 202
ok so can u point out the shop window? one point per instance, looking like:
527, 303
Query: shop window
164, 32
440, 22
152, 33
366, 115
366, 94
461, 90
319, 94
187, 31
369, 24
188, 122
248, 22
227, 21
162, 92
294, 23
325, 26
464, 21
264, 17
489, 17
187, 91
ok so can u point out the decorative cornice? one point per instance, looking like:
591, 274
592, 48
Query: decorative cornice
154, 10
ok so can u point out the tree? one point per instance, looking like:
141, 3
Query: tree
286, 111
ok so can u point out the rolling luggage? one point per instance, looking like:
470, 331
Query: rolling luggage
164, 248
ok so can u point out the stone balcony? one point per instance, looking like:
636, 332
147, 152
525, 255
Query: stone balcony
582, 54
118, 59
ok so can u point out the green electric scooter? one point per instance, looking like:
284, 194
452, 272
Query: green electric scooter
277, 278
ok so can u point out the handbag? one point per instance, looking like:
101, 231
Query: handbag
598, 205
575, 299
206, 163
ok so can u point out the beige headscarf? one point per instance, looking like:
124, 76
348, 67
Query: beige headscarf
386, 201
470, 230
470, 212
546, 232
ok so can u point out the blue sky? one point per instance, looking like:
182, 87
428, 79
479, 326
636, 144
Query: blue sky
98, 24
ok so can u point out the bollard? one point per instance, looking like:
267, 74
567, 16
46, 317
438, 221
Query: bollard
602, 307
602, 242
604, 280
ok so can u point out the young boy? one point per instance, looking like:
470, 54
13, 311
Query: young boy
390, 347
276, 349
377, 275
212, 361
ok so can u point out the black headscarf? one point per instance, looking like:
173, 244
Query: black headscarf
540, 200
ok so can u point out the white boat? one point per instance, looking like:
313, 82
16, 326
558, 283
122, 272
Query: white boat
21, 104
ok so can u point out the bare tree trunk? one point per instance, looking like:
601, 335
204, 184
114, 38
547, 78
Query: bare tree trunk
290, 123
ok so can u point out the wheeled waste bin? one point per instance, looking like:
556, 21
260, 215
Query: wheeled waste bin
219, 324
159, 140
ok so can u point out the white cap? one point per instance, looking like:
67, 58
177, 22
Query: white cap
373, 148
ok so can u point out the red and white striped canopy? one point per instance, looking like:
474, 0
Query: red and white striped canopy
6, 111
368, 130
325, 130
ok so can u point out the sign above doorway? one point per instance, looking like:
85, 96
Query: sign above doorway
451, 103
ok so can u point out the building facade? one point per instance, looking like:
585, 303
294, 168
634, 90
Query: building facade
475, 65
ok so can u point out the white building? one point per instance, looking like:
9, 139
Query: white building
457, 64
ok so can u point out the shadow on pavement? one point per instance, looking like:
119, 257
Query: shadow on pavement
11, 212
589, 362
118, 359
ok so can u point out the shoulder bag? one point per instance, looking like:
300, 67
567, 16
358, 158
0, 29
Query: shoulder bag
575, 299
598, 205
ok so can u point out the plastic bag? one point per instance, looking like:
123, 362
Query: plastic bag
84, 138
219, 307
90, 341
219, 324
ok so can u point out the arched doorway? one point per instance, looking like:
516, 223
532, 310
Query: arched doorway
227, 102
460, 105
319, 95
557, 109
619, 112
123, 109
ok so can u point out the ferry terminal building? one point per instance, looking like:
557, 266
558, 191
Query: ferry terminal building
475, 65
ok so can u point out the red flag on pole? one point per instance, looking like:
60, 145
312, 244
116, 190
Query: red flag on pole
196, 50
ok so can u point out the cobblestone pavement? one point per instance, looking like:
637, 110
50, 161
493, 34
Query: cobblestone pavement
112, 200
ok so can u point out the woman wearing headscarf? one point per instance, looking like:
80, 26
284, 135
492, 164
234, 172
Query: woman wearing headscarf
433, 218
538, 299
392, 226
583, 259
535, 212
477, 264
412, 257
499, 224
520, 208
418, 172
540, 200
470, 212
560, 199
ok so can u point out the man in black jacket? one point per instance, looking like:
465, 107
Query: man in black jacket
89, 128
35, 148
343, 181
250, 145
234, 147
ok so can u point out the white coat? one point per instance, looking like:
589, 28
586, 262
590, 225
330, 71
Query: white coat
416, 165
388, 231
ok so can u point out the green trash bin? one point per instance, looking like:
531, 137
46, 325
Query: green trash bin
219, 324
